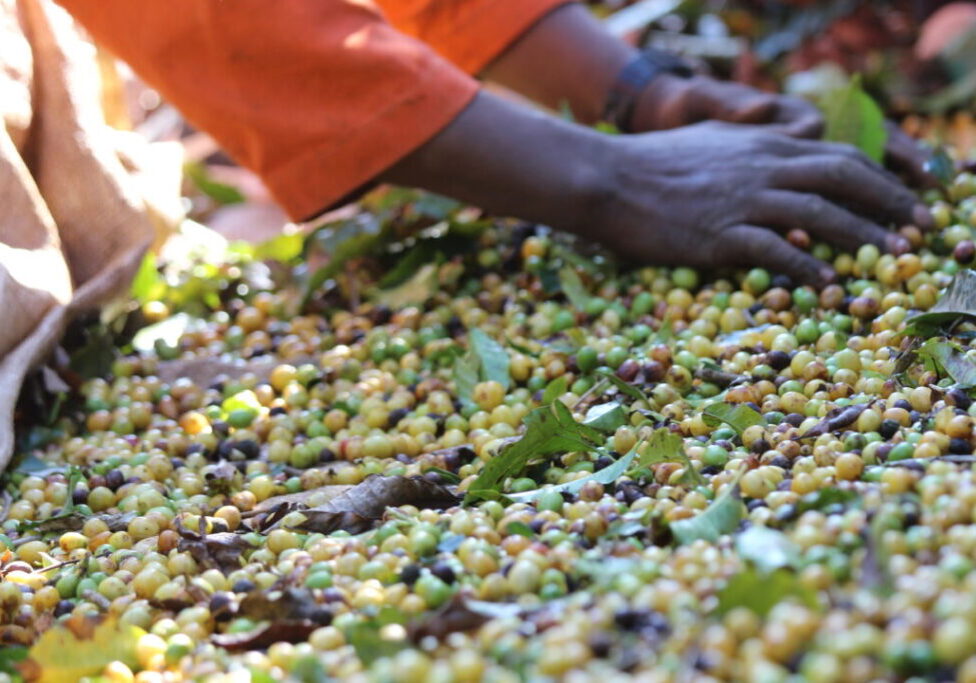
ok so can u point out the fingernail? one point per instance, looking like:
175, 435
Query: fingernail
827, 276
897, 245
923, 217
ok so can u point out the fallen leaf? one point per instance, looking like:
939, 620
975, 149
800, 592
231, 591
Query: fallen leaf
164, 334
958, 302
624, 387
767, 549
420, 287
80, 647
223, 550
309, 498
666, 446
466, 377
359, 508
296, 604
492, 356
835, 420
852, 116
606, 417
573, 288
951, 361
720, 518
737, 416
607, 475
74, 521
555, 389
267, 635
760, 591
453, 616
548, 430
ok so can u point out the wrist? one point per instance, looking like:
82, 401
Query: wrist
661, 104
647, 72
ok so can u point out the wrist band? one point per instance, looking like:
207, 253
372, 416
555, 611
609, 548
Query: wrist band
633, 79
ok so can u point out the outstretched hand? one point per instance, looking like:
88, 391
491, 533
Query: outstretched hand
670, 102
717, 194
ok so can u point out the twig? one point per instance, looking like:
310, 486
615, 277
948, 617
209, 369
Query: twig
589, 392
718, 376
55, 566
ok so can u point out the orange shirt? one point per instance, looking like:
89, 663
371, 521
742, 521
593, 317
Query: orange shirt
316, 96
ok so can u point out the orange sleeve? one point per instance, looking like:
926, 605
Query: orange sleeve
470, 33
317, 97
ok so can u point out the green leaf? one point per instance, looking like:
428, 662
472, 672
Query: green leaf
666, 446
94, 358
957, 303
555, 389
31, 464
606, 417
414, 292
760, 592
166, 331
767, 549
343, 241
607, 475
493, 357
466, 377
10, 656
521, 348
950, 360
548, 430
409, 263
448, 477
720, 518
573, 288
738, 416
308, 669
219, 192
824, 498
284, 248
148, 284
665, 333
852, 116
369, 645
519, 529
624, 387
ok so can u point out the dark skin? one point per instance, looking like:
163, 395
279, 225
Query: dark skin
707, 194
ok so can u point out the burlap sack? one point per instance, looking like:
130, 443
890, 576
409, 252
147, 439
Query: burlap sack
74, 224
16, 74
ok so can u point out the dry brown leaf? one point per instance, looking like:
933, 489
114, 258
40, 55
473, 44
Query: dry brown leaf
359, 508
223, 550
265, 636
295, 604
451, 617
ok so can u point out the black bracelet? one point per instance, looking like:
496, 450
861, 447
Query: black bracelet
633, 79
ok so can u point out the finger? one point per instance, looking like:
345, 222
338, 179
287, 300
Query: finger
904, 154
749, 245
739, 104
798, 117
841, 177
788, 210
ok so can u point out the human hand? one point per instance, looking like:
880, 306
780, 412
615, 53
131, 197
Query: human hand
716, 194
670, 102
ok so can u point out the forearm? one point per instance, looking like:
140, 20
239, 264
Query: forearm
565, 57
512, 160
